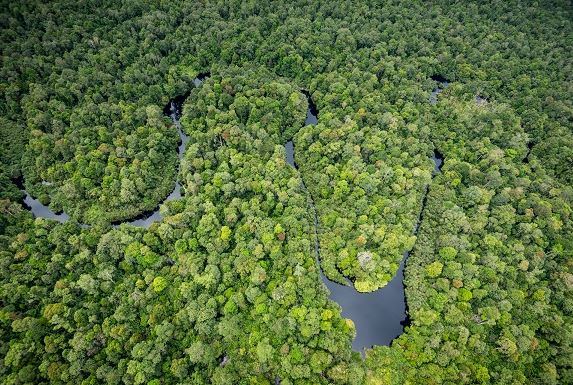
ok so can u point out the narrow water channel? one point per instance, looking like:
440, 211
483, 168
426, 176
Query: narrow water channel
173, 110
42, 211
379, 316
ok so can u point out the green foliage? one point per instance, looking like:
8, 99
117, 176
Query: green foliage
225, 289
434, 269
159, 284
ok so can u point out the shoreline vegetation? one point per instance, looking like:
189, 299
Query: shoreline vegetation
221, 284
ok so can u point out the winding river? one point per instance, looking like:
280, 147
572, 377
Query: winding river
379, 316
173, 110
42, 211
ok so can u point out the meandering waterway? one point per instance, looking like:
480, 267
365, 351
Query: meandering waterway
173, 110
379, 316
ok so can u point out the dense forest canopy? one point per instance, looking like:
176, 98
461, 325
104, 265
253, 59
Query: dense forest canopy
226, 288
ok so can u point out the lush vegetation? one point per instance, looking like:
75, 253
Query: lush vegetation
225, 289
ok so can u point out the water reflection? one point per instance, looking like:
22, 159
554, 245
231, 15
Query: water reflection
312, 112
379, 316
42, 211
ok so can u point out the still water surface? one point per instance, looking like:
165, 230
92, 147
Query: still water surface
379, 316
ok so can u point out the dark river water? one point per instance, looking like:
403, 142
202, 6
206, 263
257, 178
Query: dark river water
43, 211
173, 110
443, 83
379, 316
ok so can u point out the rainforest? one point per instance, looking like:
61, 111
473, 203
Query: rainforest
286, 192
